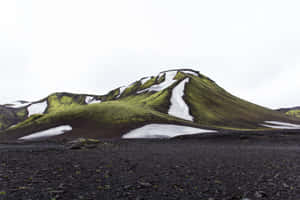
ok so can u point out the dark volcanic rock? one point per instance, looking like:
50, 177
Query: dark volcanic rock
208, 169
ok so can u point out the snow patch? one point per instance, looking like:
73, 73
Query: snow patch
48, 133
37, 108
144, 80
88, 99
121, 90
178, 107
163, 131
91, 100
17, 104
281, 125
169, 80
190, 72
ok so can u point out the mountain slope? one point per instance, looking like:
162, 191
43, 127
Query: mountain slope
182, 97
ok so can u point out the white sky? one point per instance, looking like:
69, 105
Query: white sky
250, 48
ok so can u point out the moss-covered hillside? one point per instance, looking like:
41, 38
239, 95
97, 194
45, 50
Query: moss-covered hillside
293, 112
145, 101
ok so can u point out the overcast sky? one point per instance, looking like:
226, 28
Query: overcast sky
250, 48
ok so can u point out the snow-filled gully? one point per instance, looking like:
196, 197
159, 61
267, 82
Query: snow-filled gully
178, 106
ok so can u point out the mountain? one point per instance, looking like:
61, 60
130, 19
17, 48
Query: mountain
294, 111
174, 102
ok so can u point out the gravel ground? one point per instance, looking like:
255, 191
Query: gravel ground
234, 168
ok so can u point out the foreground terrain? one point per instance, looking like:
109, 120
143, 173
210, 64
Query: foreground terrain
229, 167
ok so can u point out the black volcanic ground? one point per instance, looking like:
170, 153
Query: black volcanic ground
208, 168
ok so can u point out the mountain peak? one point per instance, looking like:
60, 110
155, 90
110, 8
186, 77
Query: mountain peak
184, 70
181, 69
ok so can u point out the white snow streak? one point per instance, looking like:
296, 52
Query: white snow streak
48, 133
91, 100
88, 99
121, 90
169, 80
178, 107
37, 108
281, 125
190, 72
163, 131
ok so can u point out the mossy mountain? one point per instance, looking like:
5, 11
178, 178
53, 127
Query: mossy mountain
145, 101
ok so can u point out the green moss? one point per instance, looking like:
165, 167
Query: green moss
56, 104
22, 113
211, 105
8, 117
148, 84
159, 101
31, 120
294, 113
113, 112
131, 89
66, 100
112, 95
180, 76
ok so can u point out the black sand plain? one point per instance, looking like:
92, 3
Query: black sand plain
223, 167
